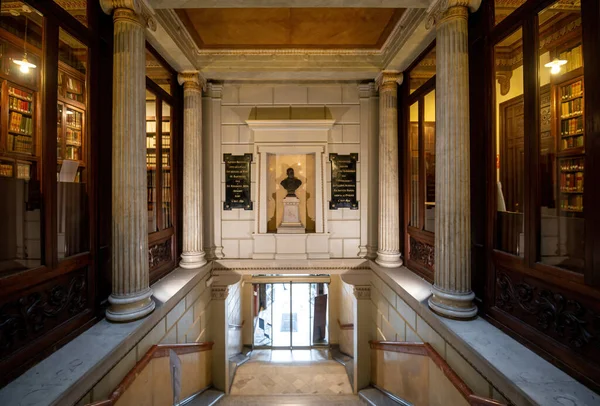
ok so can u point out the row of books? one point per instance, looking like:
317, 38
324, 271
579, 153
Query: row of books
573, 57
73, 136
572, 203
571, 182
572, 142
573, 90
72, 153
20, 143
20, 105
166, 199
166, 161
151, 126
151, 158
20, 123
75, 119
13, 91
571, 107
575, 164
151, 142
74, 86
571, 126
6, 169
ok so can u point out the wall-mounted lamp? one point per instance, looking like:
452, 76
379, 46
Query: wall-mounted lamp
555, 65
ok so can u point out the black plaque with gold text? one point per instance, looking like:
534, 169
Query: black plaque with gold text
343, 181
237, 182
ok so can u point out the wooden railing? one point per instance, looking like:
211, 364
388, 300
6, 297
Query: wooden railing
155, 352
425, 349
347, 326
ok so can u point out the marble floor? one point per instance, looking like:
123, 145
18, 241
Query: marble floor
297, 374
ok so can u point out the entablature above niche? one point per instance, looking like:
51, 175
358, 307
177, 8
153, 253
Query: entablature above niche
296, 130
336, 266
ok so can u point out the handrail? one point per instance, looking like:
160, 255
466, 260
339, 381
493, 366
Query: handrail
347, 326
237, 326
156, 351
425, 349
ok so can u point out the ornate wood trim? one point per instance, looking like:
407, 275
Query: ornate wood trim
403, 347
159, 253
346, 326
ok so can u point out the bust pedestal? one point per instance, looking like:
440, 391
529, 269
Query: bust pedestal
290, 223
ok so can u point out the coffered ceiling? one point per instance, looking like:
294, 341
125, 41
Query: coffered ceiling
308, 28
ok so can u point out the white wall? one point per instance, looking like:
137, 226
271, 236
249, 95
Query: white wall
225, 131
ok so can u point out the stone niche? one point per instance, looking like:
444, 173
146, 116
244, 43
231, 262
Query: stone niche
301, 145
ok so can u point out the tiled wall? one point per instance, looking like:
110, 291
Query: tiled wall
234, 317
187, 322
394, 320
240, 102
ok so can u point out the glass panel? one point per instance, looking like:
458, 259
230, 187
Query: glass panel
77, 9
158, 73
429, 147
424, 71
263, 331
413, 142
21, 245
72, 199
510, 139
300, 317
166, 166
282, 324
151, 137
504, 8
562, 157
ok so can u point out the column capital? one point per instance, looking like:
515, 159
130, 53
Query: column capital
192, 79
443, 8
133, 10
362, 292
219, 292
388, 79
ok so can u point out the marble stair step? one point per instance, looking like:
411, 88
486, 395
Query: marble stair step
328, 400
209, 397
375, 397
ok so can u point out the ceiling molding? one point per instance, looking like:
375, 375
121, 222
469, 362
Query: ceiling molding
171, 4
406, 41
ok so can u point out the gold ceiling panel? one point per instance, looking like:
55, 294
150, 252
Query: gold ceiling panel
328, 28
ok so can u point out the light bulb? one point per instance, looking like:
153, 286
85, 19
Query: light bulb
24, 68
555, 69
555, 65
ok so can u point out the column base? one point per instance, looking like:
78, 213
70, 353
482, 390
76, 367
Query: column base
388, 260
453, 305
191, 260
130, 308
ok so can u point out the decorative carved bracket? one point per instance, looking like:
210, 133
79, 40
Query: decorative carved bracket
219, 292
362, 292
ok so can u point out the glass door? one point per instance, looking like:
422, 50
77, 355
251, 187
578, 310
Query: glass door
290, 315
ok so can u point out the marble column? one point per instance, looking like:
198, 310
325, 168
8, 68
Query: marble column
131, 295
452, 295
193, 253
388, 251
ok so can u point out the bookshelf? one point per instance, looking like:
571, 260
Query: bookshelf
70, 122
158, 163
571, 138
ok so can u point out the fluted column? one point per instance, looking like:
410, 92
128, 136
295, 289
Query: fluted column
193, 253
388, 251
131, 295
452, 295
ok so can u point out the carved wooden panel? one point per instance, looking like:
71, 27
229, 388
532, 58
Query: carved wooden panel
159, 253
422, 253
557, 313
32, 313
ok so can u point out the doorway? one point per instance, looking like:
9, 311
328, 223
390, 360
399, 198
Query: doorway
290, 315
